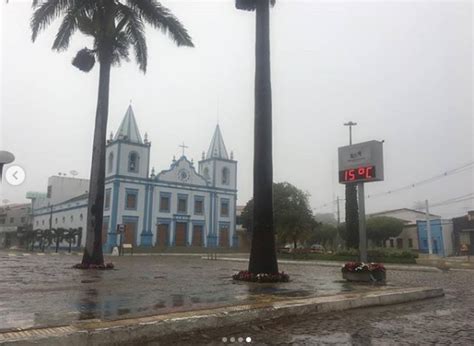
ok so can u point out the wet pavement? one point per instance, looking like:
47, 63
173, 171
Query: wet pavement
440, 321
38, 290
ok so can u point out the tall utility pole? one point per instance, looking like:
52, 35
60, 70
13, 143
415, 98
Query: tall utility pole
350, 124
428, 228
352, 217
338, 211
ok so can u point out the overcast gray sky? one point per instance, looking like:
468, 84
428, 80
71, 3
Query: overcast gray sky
401, 69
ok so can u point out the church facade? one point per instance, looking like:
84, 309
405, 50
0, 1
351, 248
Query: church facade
181, 206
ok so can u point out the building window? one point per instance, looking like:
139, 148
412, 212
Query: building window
22, 220
182, 204
199, 206
64, 219
56, 220
399, 243
225, 176
165, 203
81, 217
111, 162
131, 200
50, 191
72, 218
12, 220
107, 199
225, 208
2, 221
133, 161
410, 243
37, 222
42, 222
206, 173
391, 242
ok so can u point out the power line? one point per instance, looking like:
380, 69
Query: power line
460, 169
463, 198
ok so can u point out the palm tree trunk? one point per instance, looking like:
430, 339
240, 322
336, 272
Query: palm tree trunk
93, 251
263, 253
57, 241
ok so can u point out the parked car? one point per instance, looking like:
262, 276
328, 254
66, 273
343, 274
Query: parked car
317, 248
285, 249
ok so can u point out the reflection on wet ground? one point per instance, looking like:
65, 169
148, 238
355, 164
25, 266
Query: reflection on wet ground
44, 290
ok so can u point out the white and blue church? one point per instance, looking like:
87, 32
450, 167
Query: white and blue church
178, 207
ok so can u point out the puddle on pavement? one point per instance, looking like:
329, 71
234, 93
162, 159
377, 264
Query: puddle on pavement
138, 288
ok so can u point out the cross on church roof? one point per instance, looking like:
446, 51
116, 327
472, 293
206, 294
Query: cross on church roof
183, 147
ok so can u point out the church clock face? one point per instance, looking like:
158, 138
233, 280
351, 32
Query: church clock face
183, 175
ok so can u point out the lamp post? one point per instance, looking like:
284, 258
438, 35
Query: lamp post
5, 158
350, 124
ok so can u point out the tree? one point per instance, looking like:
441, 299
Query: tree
293, 219
352, 217
326, 218
58, 236
324, 234
263, 252
247, 216
114, 26
381, 228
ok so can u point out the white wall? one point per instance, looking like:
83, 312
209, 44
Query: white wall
447, 229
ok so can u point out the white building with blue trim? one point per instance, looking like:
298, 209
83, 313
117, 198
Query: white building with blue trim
179, 206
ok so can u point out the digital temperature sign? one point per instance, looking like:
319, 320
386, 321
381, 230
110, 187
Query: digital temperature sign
361, 162
358, 174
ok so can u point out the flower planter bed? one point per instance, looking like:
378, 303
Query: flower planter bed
364, 272
245, 275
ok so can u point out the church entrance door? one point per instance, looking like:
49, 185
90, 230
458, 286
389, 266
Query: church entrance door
197, 235
163, 235
130, 231
224, 237
180, 234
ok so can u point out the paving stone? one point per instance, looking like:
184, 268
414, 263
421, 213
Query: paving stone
448, 320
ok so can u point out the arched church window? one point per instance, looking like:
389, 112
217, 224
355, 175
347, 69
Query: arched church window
133, 161
206, 173
111, 162
225, 176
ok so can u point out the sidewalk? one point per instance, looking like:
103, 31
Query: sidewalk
143, 329
43, 300
403, 267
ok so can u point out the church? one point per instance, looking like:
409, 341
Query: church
178, 207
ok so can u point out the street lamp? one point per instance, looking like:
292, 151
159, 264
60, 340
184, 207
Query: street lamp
350, 124
5, 158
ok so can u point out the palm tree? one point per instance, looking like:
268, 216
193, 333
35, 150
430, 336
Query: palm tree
263, 253
114, 26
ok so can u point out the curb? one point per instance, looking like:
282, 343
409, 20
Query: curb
335, 264
140, 330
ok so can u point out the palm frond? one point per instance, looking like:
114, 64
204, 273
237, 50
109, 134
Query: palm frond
45, 13
76, 17
249, 5
86, 25
134, 29
67, 28
121, 51
161, 18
